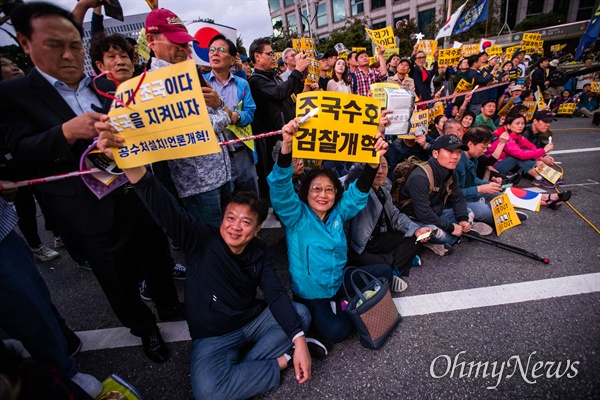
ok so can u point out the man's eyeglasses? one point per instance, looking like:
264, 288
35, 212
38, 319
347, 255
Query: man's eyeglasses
213, 50
269, 53
329, 190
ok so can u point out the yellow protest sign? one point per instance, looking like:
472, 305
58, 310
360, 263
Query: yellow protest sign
343, 130
357, 49
510, 51
470, 49
378, 91
418, 124
504, 213
534, 37
463, 86
531, 106
449, 56
595, 86
494, 50
567, 108
429, 47
437, 109
531, 47
343, 55
548, 173
557, 47
311, 164
390, 51
372, 60
541, 104
166, 118
314, 71
142, 45
382, 37
506, 108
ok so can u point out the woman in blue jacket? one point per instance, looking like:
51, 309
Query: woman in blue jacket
317, 246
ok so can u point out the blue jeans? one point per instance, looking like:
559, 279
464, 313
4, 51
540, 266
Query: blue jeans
206, 207
26, 311
221, 371
442, 236
506, 165
481, 208
337, 327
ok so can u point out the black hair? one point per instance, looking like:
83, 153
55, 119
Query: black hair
437, 119
473, 59
488, 101
315, 173
101, 44
478, 134
525, 94
250, 199
517, 109
232, 50
471, 113
23, 14
511, 118
390, 58
361, 52
345, 76
350, 54
258, 46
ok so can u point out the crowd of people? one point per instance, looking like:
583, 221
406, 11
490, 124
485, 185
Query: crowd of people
434, 187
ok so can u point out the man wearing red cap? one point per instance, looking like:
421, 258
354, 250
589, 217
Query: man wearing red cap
200, 182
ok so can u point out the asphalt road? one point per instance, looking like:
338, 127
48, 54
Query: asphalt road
422, 358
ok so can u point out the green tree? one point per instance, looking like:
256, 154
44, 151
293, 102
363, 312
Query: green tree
239, 44
352, 34
282, 36
539, 21
403, 32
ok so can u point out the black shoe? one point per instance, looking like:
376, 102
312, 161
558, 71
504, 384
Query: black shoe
175, 312
73, 341
316, 349
154, 346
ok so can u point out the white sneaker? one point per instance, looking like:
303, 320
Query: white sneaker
88, 383
44, 253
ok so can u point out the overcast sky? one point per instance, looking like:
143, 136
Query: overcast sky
250, 17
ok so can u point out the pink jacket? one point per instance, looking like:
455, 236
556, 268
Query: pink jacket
517, 147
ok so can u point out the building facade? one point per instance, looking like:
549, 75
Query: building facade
319, 17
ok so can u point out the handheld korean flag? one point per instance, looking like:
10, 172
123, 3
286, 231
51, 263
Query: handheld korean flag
449, 25
486, 43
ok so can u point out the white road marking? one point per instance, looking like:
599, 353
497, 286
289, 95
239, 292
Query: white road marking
408, 306
554, 152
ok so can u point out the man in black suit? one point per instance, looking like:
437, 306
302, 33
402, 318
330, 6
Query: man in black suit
49, 122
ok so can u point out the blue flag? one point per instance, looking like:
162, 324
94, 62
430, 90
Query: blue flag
591, 34
476, 14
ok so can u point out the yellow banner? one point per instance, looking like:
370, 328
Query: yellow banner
242, 131
557, 47
372, 60
531, 47
418, 124
470, 49
357, 49
463, 86
390, 51
142, 45
510, 51
429, 47
314, 71
567, 108
437, 109
506, 108
382, 37
504, 213
343, 130
166, 120
548, 173
311, 164
531, 106
449, 56
494, 51
541, 104
378, 91
534, 37
595, 86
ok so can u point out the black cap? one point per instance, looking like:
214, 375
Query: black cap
545, 116
449, 142
330, 53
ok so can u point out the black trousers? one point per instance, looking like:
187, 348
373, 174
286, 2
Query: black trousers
134, 244
390, 248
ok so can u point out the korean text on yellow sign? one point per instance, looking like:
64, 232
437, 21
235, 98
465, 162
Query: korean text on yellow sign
463, 86
429, 47
470, 49
531, 106
534, 37
166, 119
378, 91
506, 108
595, 86
494, 51
541, 104
504, 213
437, 109
449, 56
343, 130
382, 37
142, 45
567, 108
548, 173
418, 124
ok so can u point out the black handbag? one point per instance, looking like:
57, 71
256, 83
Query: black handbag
374, 317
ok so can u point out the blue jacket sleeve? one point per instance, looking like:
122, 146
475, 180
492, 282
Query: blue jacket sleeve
248, 105
284, 199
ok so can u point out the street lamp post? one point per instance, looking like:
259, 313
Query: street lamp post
308, 18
